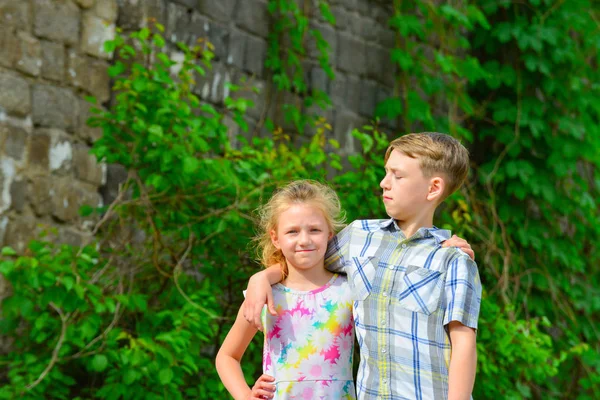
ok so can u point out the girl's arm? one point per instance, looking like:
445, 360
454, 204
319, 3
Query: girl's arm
228, 362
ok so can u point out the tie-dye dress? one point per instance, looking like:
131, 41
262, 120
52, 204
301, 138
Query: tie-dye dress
309, 344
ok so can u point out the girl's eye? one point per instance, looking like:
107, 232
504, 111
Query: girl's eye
292, 231
316, 230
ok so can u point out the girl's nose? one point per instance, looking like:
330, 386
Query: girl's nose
304, 238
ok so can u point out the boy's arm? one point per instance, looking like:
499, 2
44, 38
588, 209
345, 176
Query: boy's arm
229, 357
462, 302
337, 250
259, 293
463, 361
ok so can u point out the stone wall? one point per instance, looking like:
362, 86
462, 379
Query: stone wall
51, 58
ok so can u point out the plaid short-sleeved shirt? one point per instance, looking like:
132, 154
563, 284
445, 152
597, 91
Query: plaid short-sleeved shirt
406, 291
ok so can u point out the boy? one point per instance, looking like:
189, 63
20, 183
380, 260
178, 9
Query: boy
416, 302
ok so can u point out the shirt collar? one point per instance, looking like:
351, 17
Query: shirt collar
438, 234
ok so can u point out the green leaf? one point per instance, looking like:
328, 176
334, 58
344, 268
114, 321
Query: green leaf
165, 376
7, 251
99, 362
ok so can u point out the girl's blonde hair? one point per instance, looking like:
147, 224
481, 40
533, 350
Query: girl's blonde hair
296, 192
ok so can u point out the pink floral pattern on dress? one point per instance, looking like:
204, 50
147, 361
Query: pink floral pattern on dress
309, 344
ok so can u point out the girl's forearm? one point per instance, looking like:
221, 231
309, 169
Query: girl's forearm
231, 375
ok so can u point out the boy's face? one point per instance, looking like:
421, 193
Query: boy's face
407, 194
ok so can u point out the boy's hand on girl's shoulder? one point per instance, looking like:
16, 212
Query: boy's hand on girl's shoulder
462, 244
262, 389
258, 294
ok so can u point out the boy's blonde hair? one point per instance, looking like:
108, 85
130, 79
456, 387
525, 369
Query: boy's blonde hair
437, 153
297, 192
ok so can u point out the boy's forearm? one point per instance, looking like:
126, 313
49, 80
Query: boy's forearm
232, 377
272, 274
463, 364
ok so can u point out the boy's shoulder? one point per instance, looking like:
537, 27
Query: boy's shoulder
368, 225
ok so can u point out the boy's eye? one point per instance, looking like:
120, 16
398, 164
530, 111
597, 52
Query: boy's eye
397, 177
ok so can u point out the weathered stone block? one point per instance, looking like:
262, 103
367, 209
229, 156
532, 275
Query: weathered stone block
255, 55
211, 87
351, 54
342, 17
248, 91
237, 49
53, 60
218, 36
86, 3
88, 133
319, 79
368, 98
60, 153
18, 192
39, 149
252, 16
30, 60
338, 89
40, 195
15, 14
66, 200
87, 168
91, 75
330, 36
177, 20
352, 96
8, 173
106, 9
387, 38
96, 32
14, 139
221, 10
345, 123
10, 47
54, 107
378, 60
19, 233
57, 20
115, 175
15, 95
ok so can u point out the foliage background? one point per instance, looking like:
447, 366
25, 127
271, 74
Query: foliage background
140, 312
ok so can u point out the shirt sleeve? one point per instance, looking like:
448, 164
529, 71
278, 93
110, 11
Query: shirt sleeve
462, 292
337, 250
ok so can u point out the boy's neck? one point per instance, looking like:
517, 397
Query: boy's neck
410, 226
309, 279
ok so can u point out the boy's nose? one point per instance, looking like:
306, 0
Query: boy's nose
384, 182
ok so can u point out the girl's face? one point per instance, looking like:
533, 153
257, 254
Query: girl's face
302, 235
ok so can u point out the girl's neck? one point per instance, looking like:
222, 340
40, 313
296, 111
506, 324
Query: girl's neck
309, 279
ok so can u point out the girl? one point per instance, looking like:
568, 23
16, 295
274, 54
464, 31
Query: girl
308, 346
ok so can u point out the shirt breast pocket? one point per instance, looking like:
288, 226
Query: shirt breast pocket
361, 276
421, 290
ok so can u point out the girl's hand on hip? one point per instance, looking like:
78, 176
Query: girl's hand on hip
262, 389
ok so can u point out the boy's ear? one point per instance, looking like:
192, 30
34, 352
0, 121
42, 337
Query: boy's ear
437, 185
274, 239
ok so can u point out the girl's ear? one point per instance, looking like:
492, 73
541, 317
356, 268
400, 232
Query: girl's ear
436, 188
330, 235
274, 239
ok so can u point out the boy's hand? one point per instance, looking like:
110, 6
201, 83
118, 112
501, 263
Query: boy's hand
262, 389
258, 294
462, 244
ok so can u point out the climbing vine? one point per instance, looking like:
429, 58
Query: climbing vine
139, 312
